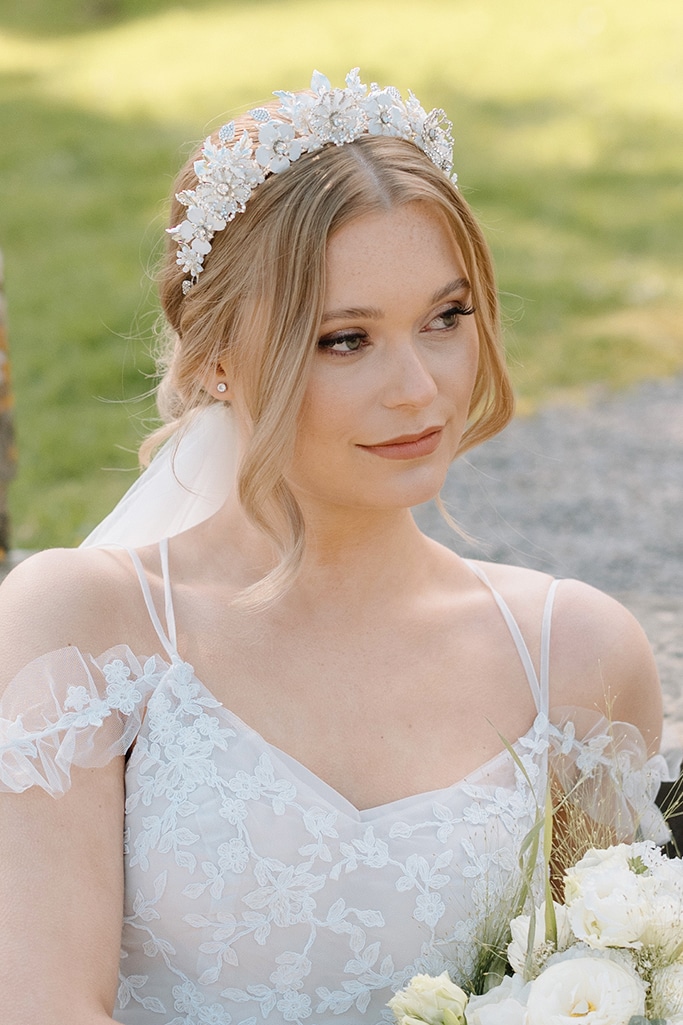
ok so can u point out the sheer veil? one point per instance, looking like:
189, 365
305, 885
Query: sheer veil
188, 480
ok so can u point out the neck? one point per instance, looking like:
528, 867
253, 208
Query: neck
362, 554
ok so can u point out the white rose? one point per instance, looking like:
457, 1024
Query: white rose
434, 1001
594, 989
607, 899
503, 1005
666, 993
519, 928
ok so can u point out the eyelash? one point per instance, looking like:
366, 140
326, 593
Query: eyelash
327, 343
456, 311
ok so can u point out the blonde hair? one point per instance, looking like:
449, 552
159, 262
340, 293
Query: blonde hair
258, 305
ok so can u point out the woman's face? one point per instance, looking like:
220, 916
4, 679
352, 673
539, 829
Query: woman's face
390, 385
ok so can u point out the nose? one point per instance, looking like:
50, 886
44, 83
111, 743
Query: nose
408, 378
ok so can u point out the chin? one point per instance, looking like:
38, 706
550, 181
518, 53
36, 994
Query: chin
398, 487
420, 492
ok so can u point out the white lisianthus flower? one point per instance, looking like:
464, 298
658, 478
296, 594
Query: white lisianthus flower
664, 928
503, 1005
625, 957
663, 932
434, 1001
519, 928
666, 993
607, 897
594, 989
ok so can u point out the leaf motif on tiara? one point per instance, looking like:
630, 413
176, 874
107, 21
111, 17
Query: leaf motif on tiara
227, 133
260, 114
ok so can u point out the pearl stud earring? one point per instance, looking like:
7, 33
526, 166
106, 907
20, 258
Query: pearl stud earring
221, 387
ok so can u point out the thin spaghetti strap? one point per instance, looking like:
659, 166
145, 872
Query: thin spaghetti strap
545, 647
147, 595
168, 598
520, 643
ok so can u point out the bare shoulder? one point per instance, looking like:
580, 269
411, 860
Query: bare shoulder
600, 657
61, 597
524, 591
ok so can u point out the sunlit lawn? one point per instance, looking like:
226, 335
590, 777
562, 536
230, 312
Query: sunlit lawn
569, 129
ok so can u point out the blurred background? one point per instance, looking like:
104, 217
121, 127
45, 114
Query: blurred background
569, 145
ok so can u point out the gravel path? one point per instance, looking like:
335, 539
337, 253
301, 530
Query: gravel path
594, 492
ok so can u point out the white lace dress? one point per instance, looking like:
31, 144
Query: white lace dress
253, 890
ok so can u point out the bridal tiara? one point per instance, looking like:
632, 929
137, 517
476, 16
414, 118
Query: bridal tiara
231, 168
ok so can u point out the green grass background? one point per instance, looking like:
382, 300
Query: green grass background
569, 145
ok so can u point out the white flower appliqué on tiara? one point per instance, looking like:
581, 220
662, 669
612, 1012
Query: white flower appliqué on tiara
229, 170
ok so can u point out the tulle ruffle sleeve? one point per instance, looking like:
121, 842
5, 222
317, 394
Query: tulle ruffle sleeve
67, 708
603, 772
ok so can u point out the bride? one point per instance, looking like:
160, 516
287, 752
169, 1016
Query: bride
273, 712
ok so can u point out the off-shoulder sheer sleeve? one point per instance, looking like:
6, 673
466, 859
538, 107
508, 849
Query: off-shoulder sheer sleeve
68, 708
603, 769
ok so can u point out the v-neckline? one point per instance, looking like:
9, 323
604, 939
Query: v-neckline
334, 798
328, 793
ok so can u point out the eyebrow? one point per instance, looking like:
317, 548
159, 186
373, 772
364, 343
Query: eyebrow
374, 313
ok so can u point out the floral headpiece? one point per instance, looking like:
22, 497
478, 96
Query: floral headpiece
231, 169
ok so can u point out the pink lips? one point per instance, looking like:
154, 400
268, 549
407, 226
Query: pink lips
408, 446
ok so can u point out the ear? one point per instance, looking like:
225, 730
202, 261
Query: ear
218, 385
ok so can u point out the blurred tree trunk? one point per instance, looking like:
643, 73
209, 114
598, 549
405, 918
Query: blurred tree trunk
8, 451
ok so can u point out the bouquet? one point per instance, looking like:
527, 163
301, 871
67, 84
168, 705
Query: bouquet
611, 953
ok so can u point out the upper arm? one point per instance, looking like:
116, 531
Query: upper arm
61, 900
61, 861
601, 659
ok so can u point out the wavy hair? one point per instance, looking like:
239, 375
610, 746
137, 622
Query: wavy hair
258, 305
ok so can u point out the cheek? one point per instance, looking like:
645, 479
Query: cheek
459, 370
330, 406
323, 442
473, 364
473, 354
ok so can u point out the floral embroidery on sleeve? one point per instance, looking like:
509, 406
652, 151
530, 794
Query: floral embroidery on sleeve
62, 723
